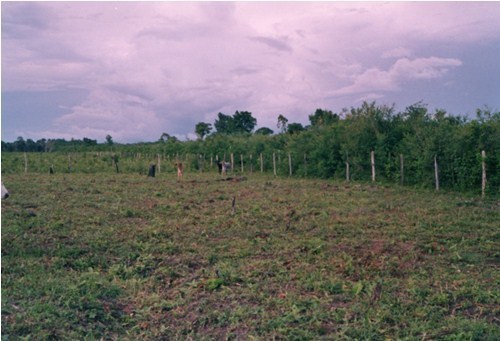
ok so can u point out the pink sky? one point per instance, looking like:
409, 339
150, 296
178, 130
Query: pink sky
137, 69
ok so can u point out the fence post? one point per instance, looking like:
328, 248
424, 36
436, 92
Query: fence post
347, 175
261, 164
159, 166
115, 162
290, 163
241, 160
232, 162
483, 182
251, 164
274, 163
305, 164
402, 168
25, 163
436, 172
372, 157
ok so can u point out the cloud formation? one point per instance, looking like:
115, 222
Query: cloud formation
400, 72
151, 67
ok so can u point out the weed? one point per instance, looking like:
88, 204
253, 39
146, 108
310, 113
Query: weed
127, 257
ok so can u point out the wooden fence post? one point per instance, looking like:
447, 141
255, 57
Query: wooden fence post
402, 175
290, 163
25, 163
436, 172
251, 164
347, 175
232, 162
274, 163
483, 182
115, 162
159, 166
372, 157
261, 164
241, 160
305, 164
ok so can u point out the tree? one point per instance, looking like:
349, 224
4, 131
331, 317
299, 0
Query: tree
240, 122
89, 142
164, 137
282, 123
224, 124
109, 140
323, 118
31, 146
244, 122
264, 131
20, 145
202, 129
295, 128
6, 147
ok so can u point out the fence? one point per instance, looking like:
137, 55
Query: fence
282, 164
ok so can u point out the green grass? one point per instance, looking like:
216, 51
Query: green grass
130, 257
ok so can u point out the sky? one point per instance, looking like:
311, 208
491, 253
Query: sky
135, 70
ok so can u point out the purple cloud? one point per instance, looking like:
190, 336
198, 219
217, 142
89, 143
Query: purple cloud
144, 68
273, 43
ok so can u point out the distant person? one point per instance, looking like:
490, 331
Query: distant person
180, 170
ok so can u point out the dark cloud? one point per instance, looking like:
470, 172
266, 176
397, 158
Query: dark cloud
23, 20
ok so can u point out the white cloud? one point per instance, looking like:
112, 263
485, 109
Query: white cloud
423, 68
402, 70
398, 52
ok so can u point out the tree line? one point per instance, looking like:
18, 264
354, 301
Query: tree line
331, 140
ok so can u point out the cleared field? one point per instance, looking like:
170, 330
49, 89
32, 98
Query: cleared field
130, 257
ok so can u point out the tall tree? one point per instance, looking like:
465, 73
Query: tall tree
282, 123
202, 129
244, 122
224, 124
109, 140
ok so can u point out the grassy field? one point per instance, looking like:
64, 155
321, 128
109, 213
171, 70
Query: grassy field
130, 257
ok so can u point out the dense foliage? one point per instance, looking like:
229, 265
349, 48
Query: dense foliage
323, 148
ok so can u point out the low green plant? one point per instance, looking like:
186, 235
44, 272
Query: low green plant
129, 257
